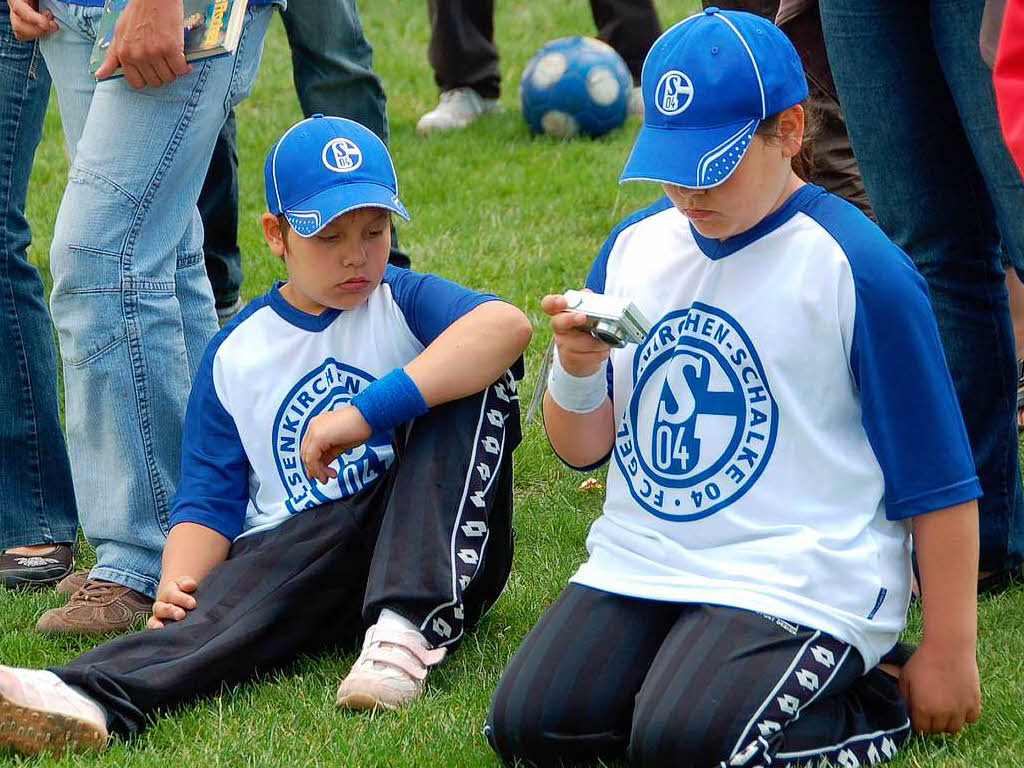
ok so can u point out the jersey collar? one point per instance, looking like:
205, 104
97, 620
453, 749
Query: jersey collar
719, 249
297, 317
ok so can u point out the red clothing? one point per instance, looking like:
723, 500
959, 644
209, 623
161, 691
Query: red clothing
1009, 80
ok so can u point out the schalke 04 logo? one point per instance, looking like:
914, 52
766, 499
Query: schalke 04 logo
701, 423
326, 388
673, 93
342, 155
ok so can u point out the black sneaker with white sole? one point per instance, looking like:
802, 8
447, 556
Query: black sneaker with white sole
36, 571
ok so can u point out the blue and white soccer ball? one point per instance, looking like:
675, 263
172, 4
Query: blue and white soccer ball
575, 86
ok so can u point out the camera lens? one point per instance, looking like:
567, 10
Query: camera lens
609, 333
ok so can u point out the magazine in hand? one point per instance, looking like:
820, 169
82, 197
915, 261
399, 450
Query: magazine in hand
212, 27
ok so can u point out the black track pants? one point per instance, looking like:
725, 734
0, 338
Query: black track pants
602, 676
432, 541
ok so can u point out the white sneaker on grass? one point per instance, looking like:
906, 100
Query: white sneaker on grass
40, 713
390, 671
457, 108
636, 101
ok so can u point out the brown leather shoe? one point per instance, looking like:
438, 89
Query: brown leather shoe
98, 607
72, 583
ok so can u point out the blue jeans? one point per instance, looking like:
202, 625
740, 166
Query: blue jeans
130, 299
922, 118
37, 501
332, 64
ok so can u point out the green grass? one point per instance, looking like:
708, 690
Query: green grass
500, 211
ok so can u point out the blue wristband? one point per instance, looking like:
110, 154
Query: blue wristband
390, 401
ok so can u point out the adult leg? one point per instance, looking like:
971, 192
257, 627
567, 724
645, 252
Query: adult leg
731, 687
36, 495
567, 695
218, 207
931, 199
332, 63
955, 27
462, 50
290, 590
833, 164
628, 26
131, 300
445, 545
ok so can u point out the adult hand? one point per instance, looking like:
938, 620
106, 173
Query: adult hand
328, 436
173, 601
942, 689
28, 23
580, 353
149, 44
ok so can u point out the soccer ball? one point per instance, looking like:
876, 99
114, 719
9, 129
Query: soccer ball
575, 85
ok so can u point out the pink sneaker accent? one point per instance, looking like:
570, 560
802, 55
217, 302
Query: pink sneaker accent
390, 671
39, 713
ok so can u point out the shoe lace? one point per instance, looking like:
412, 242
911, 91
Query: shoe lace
96, 591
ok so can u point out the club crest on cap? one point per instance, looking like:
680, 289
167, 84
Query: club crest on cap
342, 155
674, 92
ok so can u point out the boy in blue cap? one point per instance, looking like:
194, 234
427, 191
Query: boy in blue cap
347, 461
787, 422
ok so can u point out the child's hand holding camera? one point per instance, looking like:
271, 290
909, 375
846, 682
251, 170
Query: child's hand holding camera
579, 352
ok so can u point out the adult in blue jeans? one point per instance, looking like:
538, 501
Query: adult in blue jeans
38, 521
332, 65
130, 299
922, 118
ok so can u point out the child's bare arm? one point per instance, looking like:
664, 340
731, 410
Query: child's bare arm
471, 353
581, 439
189, 554
940, 682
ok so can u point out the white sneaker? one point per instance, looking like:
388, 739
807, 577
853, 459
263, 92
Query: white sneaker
458, 108
390, 671
636, 101
40, 713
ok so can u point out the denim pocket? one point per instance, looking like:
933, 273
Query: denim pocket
86, 261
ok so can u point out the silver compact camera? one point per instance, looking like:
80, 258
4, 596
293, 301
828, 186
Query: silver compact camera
612, 320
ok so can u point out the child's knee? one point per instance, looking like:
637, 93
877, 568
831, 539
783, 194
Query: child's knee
522, 726
674, 739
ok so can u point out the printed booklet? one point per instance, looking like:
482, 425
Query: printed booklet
212, 27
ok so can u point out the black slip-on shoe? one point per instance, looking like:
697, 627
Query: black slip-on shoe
36, 571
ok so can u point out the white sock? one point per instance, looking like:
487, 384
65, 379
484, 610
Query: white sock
389, 618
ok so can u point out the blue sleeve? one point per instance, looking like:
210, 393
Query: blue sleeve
909, 407
430, 303
214, 487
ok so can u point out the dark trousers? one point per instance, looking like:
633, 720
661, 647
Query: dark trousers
953, 200
37, 500
833, 165
332, 64
432, 541
603, 676
463, 54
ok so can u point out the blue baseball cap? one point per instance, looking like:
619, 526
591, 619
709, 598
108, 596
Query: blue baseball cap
707, 83
323, 167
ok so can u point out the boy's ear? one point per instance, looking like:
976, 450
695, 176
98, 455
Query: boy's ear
790, 130
273, 235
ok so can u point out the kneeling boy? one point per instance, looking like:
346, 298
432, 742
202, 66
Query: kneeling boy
347, 460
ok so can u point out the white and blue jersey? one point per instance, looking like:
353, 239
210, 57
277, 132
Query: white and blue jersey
270, 371
788, 412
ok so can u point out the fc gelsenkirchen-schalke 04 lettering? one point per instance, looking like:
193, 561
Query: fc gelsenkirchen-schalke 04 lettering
701, 424
326, 388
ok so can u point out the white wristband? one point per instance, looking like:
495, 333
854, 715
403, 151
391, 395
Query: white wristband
577, 394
